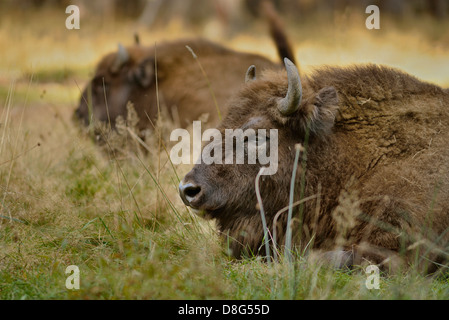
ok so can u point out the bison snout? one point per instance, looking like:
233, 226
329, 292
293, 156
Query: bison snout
189, 192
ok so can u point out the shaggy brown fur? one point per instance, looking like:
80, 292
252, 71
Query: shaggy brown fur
377, 167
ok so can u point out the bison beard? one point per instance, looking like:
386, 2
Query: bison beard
376, 169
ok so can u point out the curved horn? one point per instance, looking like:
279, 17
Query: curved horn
250, 74
292, 100
121, 59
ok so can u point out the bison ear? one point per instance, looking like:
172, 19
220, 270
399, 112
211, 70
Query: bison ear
143, 74
250, 74
323, 110
326, 97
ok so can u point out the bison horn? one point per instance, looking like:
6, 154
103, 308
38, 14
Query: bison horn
121, 59
292, 100
250, 74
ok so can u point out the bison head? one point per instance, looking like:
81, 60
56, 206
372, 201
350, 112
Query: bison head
120, 77
226, 192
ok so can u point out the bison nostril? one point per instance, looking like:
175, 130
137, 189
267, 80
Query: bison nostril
192, 191
188, 192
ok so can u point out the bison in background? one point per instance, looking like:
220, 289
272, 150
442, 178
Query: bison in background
374, 168
182, 89
130, 75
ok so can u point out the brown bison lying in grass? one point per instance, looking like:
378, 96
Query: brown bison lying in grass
373, 170
183, 88
166, 77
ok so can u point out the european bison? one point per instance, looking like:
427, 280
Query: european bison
373, 170
183, 88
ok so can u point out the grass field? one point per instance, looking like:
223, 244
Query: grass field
63, 201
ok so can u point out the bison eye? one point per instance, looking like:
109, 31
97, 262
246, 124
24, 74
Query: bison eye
100, 84
102, 87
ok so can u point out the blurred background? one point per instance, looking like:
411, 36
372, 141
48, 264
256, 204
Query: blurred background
197, 12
